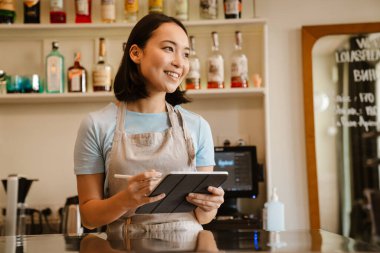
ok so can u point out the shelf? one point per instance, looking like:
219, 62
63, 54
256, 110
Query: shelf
109, 96
213, 22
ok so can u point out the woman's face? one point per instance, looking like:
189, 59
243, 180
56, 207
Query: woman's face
164, 61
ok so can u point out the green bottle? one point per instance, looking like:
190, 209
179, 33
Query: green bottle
55, 70
7, 11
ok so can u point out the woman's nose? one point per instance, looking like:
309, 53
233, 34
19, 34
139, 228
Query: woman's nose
178, 60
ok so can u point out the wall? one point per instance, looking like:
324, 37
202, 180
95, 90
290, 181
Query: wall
286, 123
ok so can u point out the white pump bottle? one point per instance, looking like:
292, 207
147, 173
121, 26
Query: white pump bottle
274, 219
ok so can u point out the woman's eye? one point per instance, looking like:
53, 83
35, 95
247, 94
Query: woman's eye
169, 49
186, 55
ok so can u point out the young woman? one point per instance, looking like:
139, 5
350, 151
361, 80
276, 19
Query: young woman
146, 134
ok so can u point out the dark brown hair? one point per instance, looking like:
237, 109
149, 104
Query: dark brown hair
129, 84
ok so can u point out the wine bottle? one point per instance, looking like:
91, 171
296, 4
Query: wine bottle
208, 9
102, 71
156, 6
232, 9
77, 76
239, 64
181, 10
83, 11
7, 12
54, 70
131, 9
108, 11
57, 12
31, 11
193, 78
215, 65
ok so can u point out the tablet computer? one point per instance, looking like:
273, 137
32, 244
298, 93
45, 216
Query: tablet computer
177, 185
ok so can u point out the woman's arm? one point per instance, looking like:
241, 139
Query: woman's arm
96, 211
207, 204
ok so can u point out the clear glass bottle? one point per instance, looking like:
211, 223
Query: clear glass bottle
83, 11
239, 64
7, 12
55, 70
31, 11
193, 78
215, 65
77, 76
131, 10
57, 12
208, 9
156, 6
108, 11
102, 71
232, 9
182, 10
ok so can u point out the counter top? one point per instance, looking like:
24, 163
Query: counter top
203, 241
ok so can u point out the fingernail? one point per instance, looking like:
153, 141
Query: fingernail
191, 195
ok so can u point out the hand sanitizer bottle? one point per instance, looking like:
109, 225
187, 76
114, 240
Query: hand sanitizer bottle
274, 219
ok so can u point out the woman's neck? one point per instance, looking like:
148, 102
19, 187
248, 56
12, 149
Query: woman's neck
151, 104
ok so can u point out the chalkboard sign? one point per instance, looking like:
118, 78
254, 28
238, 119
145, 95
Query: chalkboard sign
341, 73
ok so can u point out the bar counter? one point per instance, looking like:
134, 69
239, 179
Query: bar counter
201, 241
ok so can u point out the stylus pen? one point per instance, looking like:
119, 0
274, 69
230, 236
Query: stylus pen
121, 176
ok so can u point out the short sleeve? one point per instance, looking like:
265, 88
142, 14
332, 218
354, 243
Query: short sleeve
88, 157
205, 152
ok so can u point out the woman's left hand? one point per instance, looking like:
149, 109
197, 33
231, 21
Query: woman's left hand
207, 202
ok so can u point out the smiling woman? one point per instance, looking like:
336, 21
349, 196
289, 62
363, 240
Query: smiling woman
145, 135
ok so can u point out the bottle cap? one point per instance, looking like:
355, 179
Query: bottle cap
274, 196
55, 44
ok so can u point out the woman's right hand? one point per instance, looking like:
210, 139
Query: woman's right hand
139, 187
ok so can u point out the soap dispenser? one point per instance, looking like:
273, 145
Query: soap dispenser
274, 217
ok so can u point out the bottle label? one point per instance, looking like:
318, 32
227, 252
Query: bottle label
108, 10
194, 70
101, 77
54, 73
7, 5
215, 70
75, 79
209, 8
83, 7
232, 7
155, 5
131, 6
181, 9
239, 67
56, 4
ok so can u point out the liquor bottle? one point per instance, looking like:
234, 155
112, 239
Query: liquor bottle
181, 10
54, 70
239, 64
208, 9
108, 11
102, 71
131, 9
215, 65
156, 6
57, 12
77, 76
232, 8
31, 11
83, 11
193, 78
7, 12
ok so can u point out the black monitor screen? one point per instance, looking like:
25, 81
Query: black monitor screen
241, 164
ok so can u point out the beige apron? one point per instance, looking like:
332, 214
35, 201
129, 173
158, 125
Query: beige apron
131, 154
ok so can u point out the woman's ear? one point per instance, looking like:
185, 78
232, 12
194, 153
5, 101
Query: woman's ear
135, 53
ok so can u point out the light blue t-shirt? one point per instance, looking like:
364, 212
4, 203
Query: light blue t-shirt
95, 135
